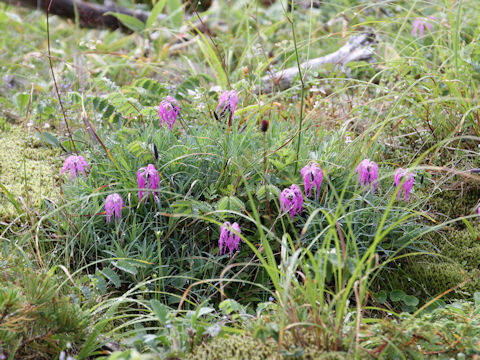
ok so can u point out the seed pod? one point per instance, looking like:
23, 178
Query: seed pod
264, 125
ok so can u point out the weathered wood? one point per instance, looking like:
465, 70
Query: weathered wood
90, 15
357, 48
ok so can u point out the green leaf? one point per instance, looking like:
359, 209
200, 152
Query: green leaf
129, 21
410, 300
213, 61
230, 306
125, 266
112, 276
230, 203
48, 138
273, 192
160, 310
22, 100
175, 10
11, 198
381, 296
157, 10
101, 284
476, 298
397, 295
204, 310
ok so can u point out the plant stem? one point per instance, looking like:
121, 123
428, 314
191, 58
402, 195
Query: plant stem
302, 88
55, 80
229, 126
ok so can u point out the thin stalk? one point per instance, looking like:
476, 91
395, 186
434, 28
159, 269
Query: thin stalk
55, 80
267, 201
229, 127
290, 20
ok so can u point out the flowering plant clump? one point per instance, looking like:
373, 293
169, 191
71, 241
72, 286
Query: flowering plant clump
367, 173
312, 175
147, 178
228, 238
75, 164
291, 200
419, 26
168, 112
228, 99
408, 180
113, 205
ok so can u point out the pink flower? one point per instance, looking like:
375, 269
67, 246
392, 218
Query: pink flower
408, 180
76, 165
419, 25
367, 173
147, 178
168, 112
229, 238
229, 99
291, 200
113, 205
312, 175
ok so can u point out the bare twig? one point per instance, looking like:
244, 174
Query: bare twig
357, 48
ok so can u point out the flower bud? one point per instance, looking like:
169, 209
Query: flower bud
264, 125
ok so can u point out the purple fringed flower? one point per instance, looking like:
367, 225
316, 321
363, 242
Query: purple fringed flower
312, 175
113, 205
147, 178
229, 99
367, 173
419, 26
291, 200
408, 180
168, 112
76, 165
228, 238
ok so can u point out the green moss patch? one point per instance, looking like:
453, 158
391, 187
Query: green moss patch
27, 171
237, 347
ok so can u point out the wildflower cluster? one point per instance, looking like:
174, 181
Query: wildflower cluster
291, 198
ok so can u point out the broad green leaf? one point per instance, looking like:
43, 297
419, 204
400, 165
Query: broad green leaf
125, 266
397, 295
230, 203
175, 10
476, 298
112, 276
160, 310
22, 101
129, 21
381, 296
48, 138
204, 311
410, 300
157, 10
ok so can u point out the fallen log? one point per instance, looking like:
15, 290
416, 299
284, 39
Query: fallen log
90, 15
357, 48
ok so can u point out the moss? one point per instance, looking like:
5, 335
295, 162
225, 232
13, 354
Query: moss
237, 347
455, 203
27, 170
458, 259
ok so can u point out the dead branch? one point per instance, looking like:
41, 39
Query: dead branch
357, 48
90, 15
